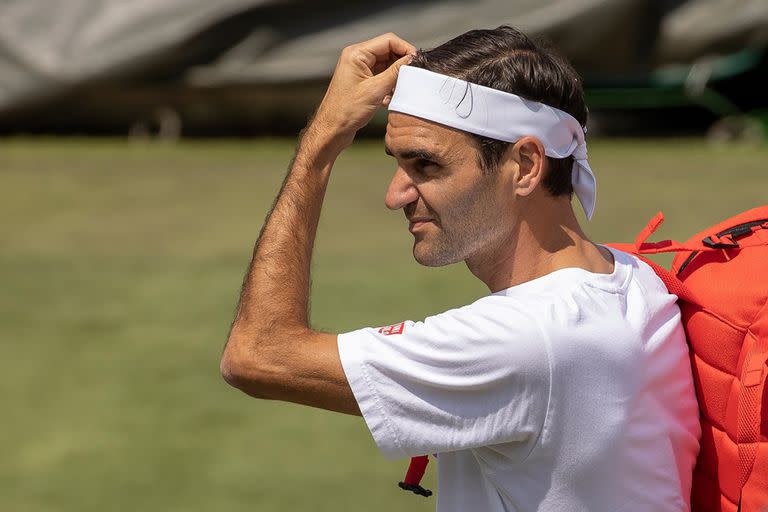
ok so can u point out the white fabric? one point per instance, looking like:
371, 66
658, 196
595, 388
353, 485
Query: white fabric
571, 392
499, 115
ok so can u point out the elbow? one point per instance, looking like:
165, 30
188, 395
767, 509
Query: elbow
244, 367
229, 368
237, 365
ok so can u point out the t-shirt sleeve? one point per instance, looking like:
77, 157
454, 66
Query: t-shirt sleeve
461, 379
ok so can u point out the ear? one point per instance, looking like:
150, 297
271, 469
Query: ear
528, 154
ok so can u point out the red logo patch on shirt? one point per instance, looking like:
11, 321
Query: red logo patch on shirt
389, 330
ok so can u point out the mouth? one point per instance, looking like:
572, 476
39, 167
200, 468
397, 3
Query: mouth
417, 223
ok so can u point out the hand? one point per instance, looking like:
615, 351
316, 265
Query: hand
363, 80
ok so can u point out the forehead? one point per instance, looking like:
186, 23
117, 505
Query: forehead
405, 132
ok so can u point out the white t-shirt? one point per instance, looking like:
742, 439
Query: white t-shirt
570, 392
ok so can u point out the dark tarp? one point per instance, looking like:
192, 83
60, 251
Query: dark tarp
91, 55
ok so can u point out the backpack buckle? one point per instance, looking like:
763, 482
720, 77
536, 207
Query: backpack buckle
716, 242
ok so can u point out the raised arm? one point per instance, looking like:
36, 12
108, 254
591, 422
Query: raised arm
271, 351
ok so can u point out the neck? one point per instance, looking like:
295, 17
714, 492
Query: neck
545, 240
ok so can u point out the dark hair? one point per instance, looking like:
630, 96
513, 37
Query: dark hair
506, 59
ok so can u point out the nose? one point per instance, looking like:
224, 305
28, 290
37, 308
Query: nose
401, 192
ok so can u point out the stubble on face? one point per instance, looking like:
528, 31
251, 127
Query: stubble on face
467, 222
462, 201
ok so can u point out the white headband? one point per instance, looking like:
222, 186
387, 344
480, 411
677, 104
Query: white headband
499, 115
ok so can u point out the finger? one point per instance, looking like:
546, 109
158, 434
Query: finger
381, 46
385, 81
356, 53
386, 100
378, 63
394, 69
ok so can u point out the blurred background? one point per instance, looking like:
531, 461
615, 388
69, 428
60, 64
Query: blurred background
141, 145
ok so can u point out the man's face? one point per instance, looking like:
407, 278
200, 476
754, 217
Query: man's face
454, 209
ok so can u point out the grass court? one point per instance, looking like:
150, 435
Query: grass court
120, 267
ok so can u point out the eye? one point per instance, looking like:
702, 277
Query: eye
422, 164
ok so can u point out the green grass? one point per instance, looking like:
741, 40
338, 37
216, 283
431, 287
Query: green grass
120, 266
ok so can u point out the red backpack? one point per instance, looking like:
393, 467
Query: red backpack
721, 279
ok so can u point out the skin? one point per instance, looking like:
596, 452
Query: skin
503, 225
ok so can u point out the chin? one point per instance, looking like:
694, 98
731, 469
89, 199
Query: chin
429, 256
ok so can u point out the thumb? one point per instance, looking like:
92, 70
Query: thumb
385, 81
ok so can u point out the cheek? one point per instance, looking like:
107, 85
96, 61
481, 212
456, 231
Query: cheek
477, 205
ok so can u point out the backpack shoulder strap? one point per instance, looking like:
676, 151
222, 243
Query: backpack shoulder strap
753, 381
640, 247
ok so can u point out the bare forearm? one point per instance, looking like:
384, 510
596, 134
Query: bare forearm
271, 352
276, 287
272, 321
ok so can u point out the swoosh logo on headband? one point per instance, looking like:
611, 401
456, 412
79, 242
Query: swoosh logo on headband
465, 104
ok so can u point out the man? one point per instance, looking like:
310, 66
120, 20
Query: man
568, 388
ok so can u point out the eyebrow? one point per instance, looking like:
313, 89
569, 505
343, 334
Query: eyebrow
409, 154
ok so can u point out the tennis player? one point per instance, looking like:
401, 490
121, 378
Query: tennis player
568, 387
